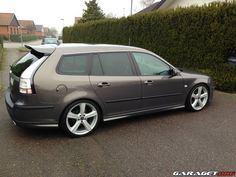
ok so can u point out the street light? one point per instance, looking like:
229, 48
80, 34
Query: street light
131, 8
62, 19
131, 13
21, 37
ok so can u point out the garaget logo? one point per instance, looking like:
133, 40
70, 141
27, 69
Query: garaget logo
204, 173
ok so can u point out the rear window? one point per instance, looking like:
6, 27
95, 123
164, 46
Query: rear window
50, 41
24, 62
73, 65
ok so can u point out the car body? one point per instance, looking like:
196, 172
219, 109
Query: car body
106, 81
50, 40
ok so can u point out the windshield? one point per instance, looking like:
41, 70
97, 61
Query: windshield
24, 62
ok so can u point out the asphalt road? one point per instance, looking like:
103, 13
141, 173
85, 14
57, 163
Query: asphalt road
147, 146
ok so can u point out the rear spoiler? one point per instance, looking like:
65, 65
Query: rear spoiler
44, 49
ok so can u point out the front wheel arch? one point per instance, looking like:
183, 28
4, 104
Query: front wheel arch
187, 100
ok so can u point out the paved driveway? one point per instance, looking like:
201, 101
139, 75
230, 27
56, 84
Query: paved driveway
147, 146
13, 45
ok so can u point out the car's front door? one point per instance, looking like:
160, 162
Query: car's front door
115, 82
160, 89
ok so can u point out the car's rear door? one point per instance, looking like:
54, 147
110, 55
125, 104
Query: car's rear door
115, 82
18, 68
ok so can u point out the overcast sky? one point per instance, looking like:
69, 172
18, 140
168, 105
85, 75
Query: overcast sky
50, 12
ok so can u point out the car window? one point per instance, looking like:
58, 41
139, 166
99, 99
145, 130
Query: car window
96, 66
50, 41
73, 65
150, 65
116, 64
24, 62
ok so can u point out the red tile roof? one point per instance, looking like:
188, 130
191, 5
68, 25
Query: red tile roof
27, 24
6, 18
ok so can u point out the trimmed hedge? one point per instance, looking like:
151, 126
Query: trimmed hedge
199, 38
25, 37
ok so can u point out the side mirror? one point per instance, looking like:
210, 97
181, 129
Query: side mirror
172, 72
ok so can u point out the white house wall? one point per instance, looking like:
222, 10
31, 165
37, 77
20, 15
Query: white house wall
185, 3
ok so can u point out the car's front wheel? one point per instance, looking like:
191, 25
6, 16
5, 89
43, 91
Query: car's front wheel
197, 98
80, 118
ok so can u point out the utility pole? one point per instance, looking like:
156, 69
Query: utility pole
21, 37
62, 19
131, 13
131, 8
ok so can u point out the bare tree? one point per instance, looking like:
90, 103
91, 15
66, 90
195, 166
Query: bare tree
146, 3
52, 32
110, 15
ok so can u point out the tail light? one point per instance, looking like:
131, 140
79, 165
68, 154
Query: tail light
26, 78
25, 86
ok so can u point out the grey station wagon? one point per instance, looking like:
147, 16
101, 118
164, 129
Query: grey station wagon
75, 86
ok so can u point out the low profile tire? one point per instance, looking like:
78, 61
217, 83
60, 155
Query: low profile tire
197, 98
80, 118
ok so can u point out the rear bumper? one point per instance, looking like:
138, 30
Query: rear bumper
30, 115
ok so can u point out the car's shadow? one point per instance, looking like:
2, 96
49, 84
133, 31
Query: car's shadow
140, 119
52, 133
49, 133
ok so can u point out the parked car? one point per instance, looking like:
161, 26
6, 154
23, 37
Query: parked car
75, 86
50, 40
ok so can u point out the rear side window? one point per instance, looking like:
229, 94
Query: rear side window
74, 65
116, 64
23, 63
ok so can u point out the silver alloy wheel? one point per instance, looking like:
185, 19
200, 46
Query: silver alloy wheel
81, 118
199, 98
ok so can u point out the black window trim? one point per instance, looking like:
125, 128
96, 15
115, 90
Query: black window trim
75, 54
91, 64
136, 64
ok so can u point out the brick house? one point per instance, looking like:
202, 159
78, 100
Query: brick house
77, 20
39, 31
27, 26
46, 31
8, 24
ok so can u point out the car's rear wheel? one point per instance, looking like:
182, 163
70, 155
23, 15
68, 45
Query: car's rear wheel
197, 98
80, 118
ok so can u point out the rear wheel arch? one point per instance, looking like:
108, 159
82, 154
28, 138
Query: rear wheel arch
81, 99
79, 119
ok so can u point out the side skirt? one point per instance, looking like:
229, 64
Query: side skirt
109, 118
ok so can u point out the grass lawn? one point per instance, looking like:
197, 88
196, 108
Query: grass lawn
2, 56
23, 49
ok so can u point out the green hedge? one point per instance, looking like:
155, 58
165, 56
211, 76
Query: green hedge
25, 37
199, 38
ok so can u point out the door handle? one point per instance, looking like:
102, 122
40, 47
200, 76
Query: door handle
148, 82
103, 84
